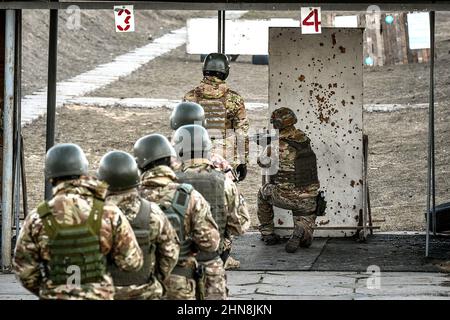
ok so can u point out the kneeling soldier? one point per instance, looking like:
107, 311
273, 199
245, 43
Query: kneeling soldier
186, 209
156, 236
62, 248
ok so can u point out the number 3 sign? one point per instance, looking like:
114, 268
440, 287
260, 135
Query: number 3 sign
124, 18
310, 20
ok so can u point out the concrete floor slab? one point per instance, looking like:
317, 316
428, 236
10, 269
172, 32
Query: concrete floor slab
255, 255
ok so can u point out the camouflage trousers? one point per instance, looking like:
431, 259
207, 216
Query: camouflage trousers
215, 280
151, 291
303, 207
179, 288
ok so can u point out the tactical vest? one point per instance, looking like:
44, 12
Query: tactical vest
305, 167
175, 214
74, 248
211, 185
141, 229
216, 116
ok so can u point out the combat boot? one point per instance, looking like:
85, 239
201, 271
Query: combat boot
270, 239
295, 240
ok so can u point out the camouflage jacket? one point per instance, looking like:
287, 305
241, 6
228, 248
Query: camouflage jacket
71, 204
286, 155
159, 185
162, 235
213, 88
238, 220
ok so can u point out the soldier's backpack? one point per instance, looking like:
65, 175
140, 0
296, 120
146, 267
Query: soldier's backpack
175, 213
74, 248
141, 229
211, 185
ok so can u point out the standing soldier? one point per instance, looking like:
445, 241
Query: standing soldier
62, 248
193, 147
225, 111
155, 234
186, 209
294, 186
192, 113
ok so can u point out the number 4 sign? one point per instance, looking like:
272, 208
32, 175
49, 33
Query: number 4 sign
124, 18
311, 20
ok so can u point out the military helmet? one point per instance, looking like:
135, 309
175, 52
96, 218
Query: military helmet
190, 139
217, 62
151, 148
187, 113
119, 170
65, 159
283, 118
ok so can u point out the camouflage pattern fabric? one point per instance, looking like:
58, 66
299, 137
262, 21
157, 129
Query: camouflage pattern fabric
287, 195
71, 204
162, 234
213, 88
238, 221
159, 185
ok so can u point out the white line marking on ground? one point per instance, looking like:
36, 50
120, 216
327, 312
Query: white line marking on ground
170, 103
35, 104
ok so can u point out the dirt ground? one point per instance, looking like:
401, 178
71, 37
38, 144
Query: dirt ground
397, 141
94, 43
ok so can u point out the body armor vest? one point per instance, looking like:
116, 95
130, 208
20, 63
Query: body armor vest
305, 167
175, 214
74, 246
216, 116
211, 185
141, 229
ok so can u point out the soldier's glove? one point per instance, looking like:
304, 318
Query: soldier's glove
241, 170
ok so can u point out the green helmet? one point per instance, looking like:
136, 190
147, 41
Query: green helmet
151, 148
119, 170
187, 113
216, 63
192, 141
65, 159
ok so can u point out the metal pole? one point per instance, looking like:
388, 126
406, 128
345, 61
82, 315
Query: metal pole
51, 88
18, 126
431, 187
8, 139
223, 32
219, 31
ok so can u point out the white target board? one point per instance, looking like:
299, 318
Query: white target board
241, 36
319, 77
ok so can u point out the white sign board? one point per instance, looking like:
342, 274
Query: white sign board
241, 36
124, 18
346, 21
319, 77
419, 30
311, 20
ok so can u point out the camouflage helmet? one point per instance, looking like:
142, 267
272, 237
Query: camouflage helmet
216, 62
192, 141
119, 170
283, 118
65, 159
187, 113
151, 148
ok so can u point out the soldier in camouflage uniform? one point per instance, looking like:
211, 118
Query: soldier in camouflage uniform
225, 110
156, 236
294, 186
193, 147
186, 208
192, 113
62, 248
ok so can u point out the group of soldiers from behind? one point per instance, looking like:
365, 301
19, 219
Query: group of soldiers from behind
160, 225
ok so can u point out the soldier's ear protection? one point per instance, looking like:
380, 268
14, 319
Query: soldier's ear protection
277, 123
